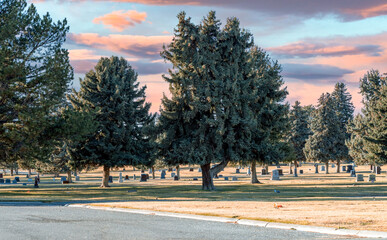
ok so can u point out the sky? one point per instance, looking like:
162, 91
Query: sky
317, 43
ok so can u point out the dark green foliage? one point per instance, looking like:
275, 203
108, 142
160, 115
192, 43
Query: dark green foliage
370, 130
300, 130
220, 84
324, 144
344, 109
34, 76
112, 90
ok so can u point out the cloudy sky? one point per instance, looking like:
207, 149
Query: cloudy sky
318, 43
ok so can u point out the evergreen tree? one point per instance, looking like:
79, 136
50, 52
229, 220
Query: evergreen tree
344, 109
370, 131
112, 90
208, 118
34, 76
269, 112
299, 132
356, 143
324, 144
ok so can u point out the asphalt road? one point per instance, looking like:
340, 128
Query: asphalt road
58, 222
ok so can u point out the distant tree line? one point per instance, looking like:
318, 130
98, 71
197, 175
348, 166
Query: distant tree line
226, 106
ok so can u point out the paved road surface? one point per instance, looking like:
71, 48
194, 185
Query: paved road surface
58, 222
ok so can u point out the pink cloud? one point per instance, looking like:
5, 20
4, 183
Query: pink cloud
120, 20
130, 45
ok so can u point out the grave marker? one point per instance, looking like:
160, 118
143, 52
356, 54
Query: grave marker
1, 175
349, 168
275, 175
1, 180
143, 178
120, 180
191, 169
173, 174
63, 179
163, 174
176, 178
134, 176
7, 180
225, 178
322, 168
237, 170
359, 178
17, 179
378, 170
353, 173
371, 178
77, 178
36, 185
249, 171
316, 166
301, 171
195, 179
199, 170
234, 178
343, 168
110, 179
263, 171
280, 172
126, 177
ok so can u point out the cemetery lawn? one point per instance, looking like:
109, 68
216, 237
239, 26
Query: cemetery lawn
332, 200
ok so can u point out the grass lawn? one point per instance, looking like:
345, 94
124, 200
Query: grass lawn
333, 200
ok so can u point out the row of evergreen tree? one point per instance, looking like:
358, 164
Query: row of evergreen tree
226, 105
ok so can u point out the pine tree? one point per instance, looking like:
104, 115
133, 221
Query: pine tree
370, 130
208, 118
344, 109
299, 132
34, 76
323, 145
112, 90
269, 112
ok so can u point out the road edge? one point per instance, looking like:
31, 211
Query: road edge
304, 228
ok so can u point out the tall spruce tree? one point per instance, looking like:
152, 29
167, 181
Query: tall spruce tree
34, 76
370, 131
323, 145
208, 118
344, 109
269, 112
112, 90
299, 132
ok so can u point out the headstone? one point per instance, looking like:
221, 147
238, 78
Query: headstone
353, 173
143, 178
17, 179
163, 174
191, 169
343, 168
1, 175
150, 170
29, 180
173, 174
36, 185
195, 179
290, 171
316, 166
174, 169
378, 170
237, 170
263, 171
216, 176
280, 172
278, 166
170, 169
120, 180
134, 176
200, 170
301, 171
126, 177
7, 180
225, 178
295, 172
371, 178
63, 179
147, 176
65, 182
53, 179
14, 181
176, 178
275, 175
349, 168
322, 168
1, 180
359, 178
371, 167
77, 178
234, 178
220, 175
249, 171
333, 165
38, 178
110, 179
24, 184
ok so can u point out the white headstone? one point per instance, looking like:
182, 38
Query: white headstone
275, 175
120, 180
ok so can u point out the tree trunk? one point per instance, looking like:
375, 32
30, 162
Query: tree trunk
11, 171
338, 166
207, 183
17, 171
254, 178
178, 171
69, 176
375, 166
326, 167
29, 172
105, 176
295, 168
75, 173
290, 168
153, 172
